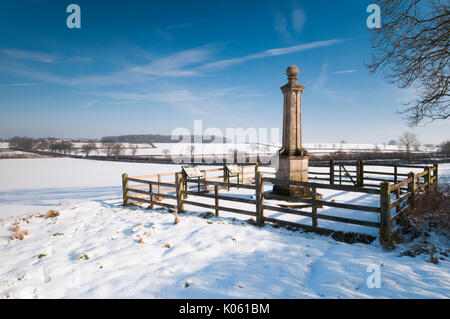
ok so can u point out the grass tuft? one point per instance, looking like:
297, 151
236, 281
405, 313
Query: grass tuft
52, 214
82, 257
18, 233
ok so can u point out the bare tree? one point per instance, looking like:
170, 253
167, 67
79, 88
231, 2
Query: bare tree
108, 144
408, 142
88, 148
134, 149
67, 147
25, 143
43, 145
117, 149
445, 148
412, 47
376, 148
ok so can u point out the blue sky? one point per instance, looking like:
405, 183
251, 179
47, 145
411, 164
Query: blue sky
139, 67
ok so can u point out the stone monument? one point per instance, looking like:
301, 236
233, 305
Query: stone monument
293, 159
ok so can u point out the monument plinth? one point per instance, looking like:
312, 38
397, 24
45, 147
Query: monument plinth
293, 159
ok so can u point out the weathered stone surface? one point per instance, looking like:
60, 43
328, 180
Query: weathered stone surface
292, 118
293, 162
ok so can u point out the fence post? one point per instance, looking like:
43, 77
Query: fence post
395, 174
256, 167
125, 189
314, 207
224, 173
184, 184
259, 190
331, 172
428, 178
360, 173
412, 189
226, 177
179, 189
150, 191
159, 186
216, 199
435, 174
385, 213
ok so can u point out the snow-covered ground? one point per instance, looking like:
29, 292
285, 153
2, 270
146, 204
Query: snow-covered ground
36, 185
93, 249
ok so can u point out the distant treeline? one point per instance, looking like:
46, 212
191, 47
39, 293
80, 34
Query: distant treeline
157, 138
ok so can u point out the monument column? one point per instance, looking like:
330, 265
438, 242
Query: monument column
293, 159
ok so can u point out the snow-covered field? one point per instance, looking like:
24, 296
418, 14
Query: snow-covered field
97, 249
160, 149
248, 148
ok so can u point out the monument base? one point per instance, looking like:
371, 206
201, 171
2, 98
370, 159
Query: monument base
292, 168
292, 191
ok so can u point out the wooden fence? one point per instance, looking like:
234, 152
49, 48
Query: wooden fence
153, 186
395, 192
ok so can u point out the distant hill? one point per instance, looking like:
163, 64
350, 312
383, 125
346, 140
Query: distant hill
157, 138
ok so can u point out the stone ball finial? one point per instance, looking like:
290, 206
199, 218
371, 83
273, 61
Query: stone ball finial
292, 71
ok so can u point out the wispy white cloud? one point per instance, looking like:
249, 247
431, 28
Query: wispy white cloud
29, 55
178, 64
344, 71
270, 53
250, 95
181, 98
175, 96
234, 92
320, 85
165, 32
298, 19
287, 27
90, 104
77, 59
32, 73
42, 57
187, 63
281, 27
321, 79
179, 26
226, 91
18, 84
